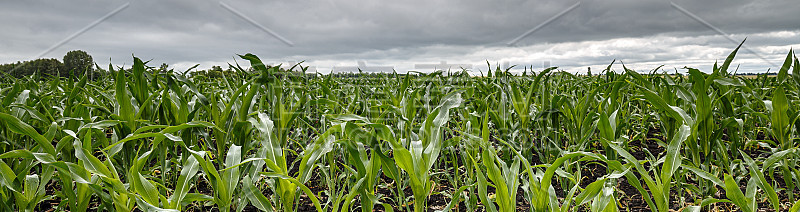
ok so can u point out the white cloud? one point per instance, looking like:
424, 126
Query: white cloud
642, 53
643, 34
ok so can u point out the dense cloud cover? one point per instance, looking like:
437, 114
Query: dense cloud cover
642, 34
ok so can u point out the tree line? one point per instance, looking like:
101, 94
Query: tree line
75, 63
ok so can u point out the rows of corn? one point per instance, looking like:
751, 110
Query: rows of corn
150, 139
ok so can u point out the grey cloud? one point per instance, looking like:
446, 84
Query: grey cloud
341, 32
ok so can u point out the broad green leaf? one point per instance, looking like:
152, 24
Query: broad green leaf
724, 68
254, 195
784, 71
147, 190
17, 126
125, 109
735, 194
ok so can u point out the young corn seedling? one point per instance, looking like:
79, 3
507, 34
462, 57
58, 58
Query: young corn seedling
26, 190
122, 141
151, 198
272, 153
418, 157
747, 200
367, 165
658, 179
118, 197
541, 194
225, 182
504, 179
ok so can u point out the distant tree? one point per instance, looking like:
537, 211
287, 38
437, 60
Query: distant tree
43, 66
6, 68
77, 62
214, 72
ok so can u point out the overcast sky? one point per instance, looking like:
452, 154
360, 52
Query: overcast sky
643, 34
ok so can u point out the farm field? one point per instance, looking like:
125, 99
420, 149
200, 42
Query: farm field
262, 139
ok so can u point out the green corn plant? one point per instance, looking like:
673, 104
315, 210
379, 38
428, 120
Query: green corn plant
104, 177
463, 147
272, 153
541, 194
659, 182
663, 99
522, 102
224, 182
125, 140
420, 155
35, 193
260, 201
781, 119
147, 189
180, 194
607, 128
671, 115
549, 118
367, 166
151, 198
579, 119
27, 190
706, 132
273, 150
782, 116
473, 135
747, 200
614, 112
504, 179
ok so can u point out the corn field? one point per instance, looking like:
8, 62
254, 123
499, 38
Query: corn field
262, 139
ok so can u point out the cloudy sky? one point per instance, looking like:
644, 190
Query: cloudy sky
572, 35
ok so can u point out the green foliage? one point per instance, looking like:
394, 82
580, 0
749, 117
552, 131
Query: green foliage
150, 139
39, 67
78, 61
76, 64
